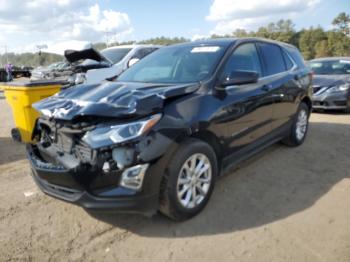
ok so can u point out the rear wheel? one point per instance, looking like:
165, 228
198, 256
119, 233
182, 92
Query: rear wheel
299, 127
189, 180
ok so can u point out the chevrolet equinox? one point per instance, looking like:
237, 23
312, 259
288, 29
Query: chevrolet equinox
158, 137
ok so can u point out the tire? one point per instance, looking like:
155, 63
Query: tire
294, 138
171, 204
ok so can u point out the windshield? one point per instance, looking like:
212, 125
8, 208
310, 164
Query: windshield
330, 67
52, 66
115, 55
175, 64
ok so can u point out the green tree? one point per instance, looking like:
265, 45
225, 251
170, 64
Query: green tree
164, 40
342, 22
240, 33
308, 40
338, 43
322, 49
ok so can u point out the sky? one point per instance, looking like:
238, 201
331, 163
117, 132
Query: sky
26, 24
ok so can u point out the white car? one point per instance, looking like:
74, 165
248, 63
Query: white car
120, 58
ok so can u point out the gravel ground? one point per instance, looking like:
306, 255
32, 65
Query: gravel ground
283, 205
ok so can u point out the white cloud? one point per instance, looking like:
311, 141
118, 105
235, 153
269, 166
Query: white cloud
242, 14
27, 23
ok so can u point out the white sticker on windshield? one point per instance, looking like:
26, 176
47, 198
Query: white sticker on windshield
205, 49
316, 65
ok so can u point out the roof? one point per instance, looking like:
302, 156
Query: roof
330, 58
229, 41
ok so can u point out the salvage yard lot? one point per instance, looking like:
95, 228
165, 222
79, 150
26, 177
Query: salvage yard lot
283, 205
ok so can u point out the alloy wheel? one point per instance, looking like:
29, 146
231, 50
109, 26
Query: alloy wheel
194, 180
301, 125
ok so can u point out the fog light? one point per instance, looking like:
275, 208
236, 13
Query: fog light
132, 177
106, 167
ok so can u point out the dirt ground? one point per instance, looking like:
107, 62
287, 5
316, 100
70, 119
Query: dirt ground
283, 205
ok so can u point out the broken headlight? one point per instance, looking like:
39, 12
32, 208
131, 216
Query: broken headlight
109, 135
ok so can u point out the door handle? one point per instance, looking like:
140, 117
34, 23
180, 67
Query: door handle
266, 88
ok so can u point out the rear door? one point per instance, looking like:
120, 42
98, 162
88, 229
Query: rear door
248, 106
280, 73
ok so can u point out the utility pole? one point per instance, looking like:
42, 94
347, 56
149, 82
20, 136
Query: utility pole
41, 59
109, 37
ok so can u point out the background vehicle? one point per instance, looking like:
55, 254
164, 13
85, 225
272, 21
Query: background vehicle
92, 66
18, 71
159, 136
122, 57
51, 71
331, 83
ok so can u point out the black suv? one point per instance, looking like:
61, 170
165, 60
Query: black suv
159, 136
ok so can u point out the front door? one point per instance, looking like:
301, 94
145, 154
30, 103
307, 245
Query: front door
248, 107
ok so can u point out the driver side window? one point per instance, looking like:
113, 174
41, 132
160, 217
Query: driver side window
244, 58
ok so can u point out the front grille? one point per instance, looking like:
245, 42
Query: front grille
66, 139
320, 103
340, 103
64, 142
83, 152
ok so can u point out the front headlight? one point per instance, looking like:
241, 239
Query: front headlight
339, 88
109, 135
77, 79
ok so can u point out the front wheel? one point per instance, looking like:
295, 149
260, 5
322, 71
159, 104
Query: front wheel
299, 127
189, 180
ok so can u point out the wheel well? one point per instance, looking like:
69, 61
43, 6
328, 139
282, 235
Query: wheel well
211, 140
308, 102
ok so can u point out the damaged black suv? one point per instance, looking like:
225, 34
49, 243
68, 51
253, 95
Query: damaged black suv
159, 136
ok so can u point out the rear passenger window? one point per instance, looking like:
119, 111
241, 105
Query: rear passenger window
289, 63
296, 56
273, 58
246, 58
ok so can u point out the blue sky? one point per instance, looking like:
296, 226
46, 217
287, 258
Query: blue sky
187, 17
26, 24
168, 18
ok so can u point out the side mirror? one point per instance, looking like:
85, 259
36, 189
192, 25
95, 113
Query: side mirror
240, 78
133, 61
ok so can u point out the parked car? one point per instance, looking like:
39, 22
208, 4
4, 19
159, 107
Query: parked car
331, 83
17, 71
159, 136
92, 66
51, 71
122, 57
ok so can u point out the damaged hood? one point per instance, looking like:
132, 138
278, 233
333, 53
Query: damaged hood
90, 53
111, 99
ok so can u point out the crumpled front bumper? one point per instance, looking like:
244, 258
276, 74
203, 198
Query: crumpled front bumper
332, 101
101, 192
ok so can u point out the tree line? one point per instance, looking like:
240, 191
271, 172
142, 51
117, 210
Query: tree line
313, 42
29, 59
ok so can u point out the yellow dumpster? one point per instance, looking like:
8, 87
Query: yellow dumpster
21, 96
